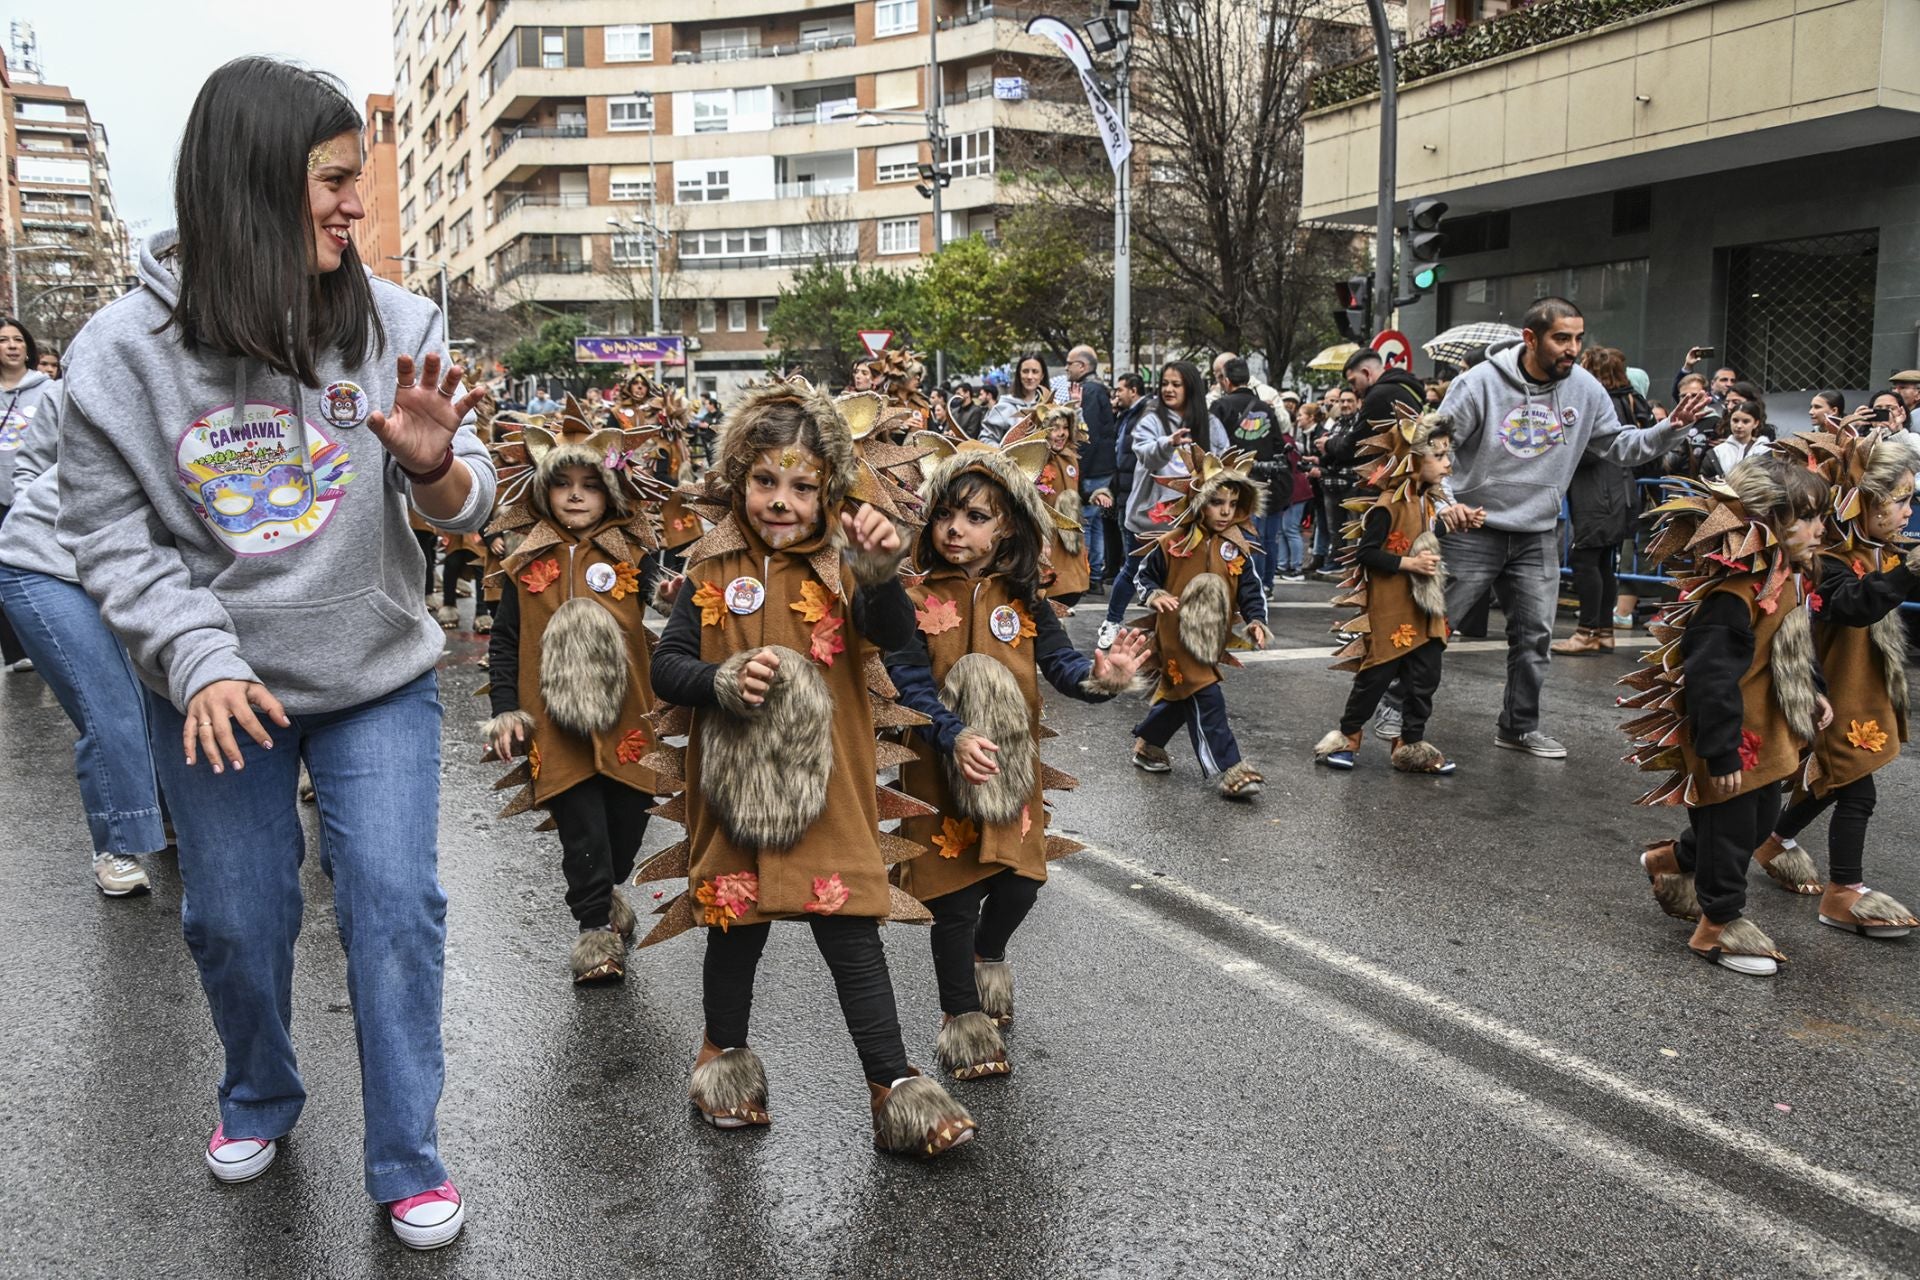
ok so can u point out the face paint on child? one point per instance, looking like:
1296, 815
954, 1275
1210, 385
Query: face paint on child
1885, 519
1221, 509
578, 498
1436, 464
1803, 539
1059, 438
783, 496
966, 533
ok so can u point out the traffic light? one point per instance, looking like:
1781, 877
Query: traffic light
1422, 241
1356, 300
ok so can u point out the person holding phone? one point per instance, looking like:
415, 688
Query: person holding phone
1723, 377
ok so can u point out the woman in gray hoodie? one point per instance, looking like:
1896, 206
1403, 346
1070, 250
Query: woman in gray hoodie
22, 387
242, 438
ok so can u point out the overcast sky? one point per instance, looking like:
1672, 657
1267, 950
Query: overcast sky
139, 65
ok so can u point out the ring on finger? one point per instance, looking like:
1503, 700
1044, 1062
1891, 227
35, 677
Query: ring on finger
407, 386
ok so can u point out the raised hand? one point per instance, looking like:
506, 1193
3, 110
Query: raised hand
1125, 657
418, 431
870, 530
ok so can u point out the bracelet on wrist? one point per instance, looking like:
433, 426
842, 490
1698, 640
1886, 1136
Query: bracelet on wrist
432, 475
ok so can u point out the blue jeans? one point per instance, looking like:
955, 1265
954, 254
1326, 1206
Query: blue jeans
88, 671
1293, 550
1123, 584
376, 772
1093, 528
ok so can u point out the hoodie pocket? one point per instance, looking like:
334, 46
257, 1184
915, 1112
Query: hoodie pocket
325, 654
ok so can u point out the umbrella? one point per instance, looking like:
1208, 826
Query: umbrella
1334, 358
1461, 341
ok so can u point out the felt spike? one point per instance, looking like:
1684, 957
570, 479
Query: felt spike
878, 681
898, 804
890, 755
903, 908
519, 776
1060, 847
543, 537
1044, 732
670, 721
1639, 679
724, 537
547, 824
672, 809
1052, 779
825, 564
519, 804
1356, 648
892, 715
1641, 726
483, 690
897, 849
1666, 792
675, 919
670, 863
667, 762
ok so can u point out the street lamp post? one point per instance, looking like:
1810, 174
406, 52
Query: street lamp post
446, 316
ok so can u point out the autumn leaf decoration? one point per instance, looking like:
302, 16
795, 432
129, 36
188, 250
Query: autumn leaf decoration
956, 836
1398, 544
533, 760
1866, 735
1403, 636
1026, 820
1160, 513
540, 576
937, 616
1173, 672
827, 641
626, 581
1749, 749
711, 603
814, 603
631, 747
1026, 626
829, 895
724, 899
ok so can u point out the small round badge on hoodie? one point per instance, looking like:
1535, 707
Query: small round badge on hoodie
745, 595
1228, 551
600, 577
344, 404
1004, 622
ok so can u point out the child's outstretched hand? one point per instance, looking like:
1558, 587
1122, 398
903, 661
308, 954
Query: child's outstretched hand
1426, 564
669, 589
506, 739
1164, 602
974, 754
1724, 787
1119, 663
871, 530
1257, 633
1822, 712
756, 677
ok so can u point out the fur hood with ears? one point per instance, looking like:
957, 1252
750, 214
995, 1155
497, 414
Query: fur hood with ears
791, 412
1004, 470
556, 460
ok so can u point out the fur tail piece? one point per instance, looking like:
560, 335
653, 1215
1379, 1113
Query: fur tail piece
730, 1087
970, 1048
1418, 757
916, 1117
1204, 620
1334, 741
765, 768
984, 694
994, 980
583, 667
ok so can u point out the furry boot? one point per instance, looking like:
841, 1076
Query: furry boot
1789, 866
765, 768
1241, 782
1336, 750
599, 955
1420, 757
970, 1048
620, 917
994, 981
1151, 758
916, 1117
583, 667
1205, 617
1672, 888
1867, 912
448, 616
983, 693
1738, 945
729, 1087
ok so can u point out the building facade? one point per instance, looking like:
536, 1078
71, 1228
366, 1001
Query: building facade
1724, 173
376, 237
547, 150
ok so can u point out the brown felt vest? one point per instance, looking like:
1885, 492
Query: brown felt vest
1779, 750
1390, 604
1863, 707
1210, 556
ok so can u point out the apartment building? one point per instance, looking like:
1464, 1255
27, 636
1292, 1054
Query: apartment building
1739, 174
67, 249
377, 236
538, 141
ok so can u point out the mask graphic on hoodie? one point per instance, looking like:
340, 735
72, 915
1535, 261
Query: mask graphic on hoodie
255, 483
13, 429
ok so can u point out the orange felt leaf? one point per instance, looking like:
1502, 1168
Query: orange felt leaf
814, 604
937, 616
829, 895
1403, 636
1173, 672
827, 641
727, 898
711, 603
1026, 820
956, 835
540, 576
1026, 626
631, 747
626, 581
1398, 544
1867, 736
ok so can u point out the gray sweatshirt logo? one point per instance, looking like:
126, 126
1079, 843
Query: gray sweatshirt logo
255, 482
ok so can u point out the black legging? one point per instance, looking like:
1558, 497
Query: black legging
464, 564
1421, 669
429, 546
1846, 833
601, 824
976, 921
1718, 847
851, 947
1594, 583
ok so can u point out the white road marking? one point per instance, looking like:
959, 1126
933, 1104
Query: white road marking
1897, 1209
1250, 657
1671, 1185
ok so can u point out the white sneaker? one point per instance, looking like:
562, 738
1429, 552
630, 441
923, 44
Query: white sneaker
430, 1219
24, 664
1109, 632
238, 1159
118, 875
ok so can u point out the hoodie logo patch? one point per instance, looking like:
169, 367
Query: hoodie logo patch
1531, 430
344, 404
13, 429
260, 478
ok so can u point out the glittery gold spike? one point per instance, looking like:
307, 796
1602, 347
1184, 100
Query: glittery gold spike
675, 920
903, 908
672, 809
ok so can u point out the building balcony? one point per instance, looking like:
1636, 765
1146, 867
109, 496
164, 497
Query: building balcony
1566, 98
509, 138
542, 267
70, 125
746, 52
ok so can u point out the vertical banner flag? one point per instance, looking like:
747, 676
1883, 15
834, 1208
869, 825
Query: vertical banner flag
1113, 135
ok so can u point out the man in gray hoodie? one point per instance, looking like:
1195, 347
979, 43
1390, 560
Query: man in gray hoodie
1522, 420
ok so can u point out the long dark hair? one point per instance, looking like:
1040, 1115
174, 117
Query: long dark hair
1193, 414
33, 348
247, 287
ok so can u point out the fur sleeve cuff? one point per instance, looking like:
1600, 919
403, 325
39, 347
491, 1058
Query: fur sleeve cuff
726, 684
871, 568
1155, 596
1094, 686
507, 720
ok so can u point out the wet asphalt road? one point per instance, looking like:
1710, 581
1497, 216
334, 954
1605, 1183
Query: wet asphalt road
1367, 1025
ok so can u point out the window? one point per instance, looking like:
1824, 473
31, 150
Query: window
457, 60
1612, 295
430, 136
553, 49
406, 172
457, 120
712, 109
970, 155
457, 180
632, 248
723, 244
727, 43
460, 233
897, 163
766, 313
433, 238
896, 17
625, 114
429, 85
629, 184
820, 239
403, 79
900, 235
752, 102
703, 186
503, 64
817, 33
632, 43
408, 215
1800, 312
737, 315
36, 171
433, 186
704, 317
406, 124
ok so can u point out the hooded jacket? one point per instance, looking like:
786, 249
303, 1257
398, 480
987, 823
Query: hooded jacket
1517, 442
17, 410
221, 547
27, 539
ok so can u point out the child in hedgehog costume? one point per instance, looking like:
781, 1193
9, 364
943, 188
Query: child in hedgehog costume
772, 661
1867, 570
569, 659
1190, 577
1068, 575
985, 637
1731, 697
1397, 581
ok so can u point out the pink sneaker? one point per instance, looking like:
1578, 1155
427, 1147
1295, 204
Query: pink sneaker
430, 1219
238, 1159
